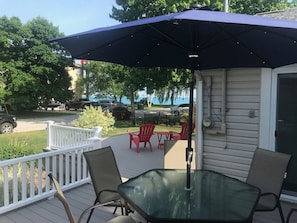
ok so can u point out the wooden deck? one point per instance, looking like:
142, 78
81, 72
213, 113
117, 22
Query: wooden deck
130, 164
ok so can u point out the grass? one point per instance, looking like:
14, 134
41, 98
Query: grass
35, 141
22, 143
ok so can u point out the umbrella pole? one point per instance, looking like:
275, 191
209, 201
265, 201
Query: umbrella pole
189, 149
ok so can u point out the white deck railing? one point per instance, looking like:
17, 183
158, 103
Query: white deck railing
24, 180
61, 136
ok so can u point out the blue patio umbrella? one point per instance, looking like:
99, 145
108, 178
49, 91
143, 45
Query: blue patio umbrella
192, 39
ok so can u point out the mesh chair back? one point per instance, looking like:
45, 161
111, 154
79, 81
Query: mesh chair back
104, 173
60, 195
268, 170
145, 132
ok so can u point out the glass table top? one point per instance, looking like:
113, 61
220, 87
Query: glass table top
159, 195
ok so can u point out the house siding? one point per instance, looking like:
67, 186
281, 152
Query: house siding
231, 153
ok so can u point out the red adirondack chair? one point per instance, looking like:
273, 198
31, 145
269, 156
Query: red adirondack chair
183, 134
144, 135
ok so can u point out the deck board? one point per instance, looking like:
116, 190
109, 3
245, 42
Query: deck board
130, 164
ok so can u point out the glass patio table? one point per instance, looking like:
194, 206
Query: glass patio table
159, 195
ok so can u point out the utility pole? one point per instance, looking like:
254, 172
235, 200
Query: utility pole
226, 5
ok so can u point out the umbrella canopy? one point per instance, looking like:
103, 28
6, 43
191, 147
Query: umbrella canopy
212, 39
193, 39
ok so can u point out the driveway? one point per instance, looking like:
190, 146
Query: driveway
25, 125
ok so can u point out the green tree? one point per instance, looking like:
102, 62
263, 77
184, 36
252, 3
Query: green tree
30, 67
257, 6
138, 9
98, 79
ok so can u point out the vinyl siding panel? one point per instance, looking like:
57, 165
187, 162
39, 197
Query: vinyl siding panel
231, 153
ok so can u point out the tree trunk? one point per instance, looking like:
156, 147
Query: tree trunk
133, 106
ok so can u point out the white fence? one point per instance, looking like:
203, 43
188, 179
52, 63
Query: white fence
25, 179
60, 136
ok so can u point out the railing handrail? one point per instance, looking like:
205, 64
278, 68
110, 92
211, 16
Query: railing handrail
62, 136
25, 178
38, 156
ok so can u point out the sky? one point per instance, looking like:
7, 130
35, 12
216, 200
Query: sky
71, 16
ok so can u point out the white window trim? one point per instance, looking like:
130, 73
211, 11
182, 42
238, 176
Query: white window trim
268, 103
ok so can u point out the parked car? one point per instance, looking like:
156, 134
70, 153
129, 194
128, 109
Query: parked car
179, 109
7, 123
79, 104
52, 105
119, 112
106, 102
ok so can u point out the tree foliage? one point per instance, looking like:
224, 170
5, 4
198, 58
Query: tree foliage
256, 6
138, 9
30, 70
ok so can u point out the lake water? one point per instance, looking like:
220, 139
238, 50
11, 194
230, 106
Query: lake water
177, 101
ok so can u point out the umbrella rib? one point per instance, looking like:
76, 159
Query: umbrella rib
252, 51
106, 45
167, 37
238, 41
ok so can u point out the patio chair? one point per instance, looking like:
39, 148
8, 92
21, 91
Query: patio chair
60, 195
105, 177
183, 134
267, 172
144, 135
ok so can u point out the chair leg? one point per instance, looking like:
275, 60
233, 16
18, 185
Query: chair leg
280, 211
130, 142
151, 146
91, 212
137, 147
90, 215
115, 209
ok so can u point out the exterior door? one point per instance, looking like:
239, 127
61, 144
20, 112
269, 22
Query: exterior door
286, 126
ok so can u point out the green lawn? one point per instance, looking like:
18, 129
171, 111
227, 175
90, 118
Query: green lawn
25, 143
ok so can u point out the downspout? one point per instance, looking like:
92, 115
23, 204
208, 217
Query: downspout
223, 106
222, 130
198, 120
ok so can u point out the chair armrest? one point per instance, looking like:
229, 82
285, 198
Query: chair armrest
133, 133
267, 201
269, 194
91, 208
109, 191
173, 133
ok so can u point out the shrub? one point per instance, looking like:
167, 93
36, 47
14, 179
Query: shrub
15, 149
92, 117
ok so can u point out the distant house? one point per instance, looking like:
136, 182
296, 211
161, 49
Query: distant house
249, 108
